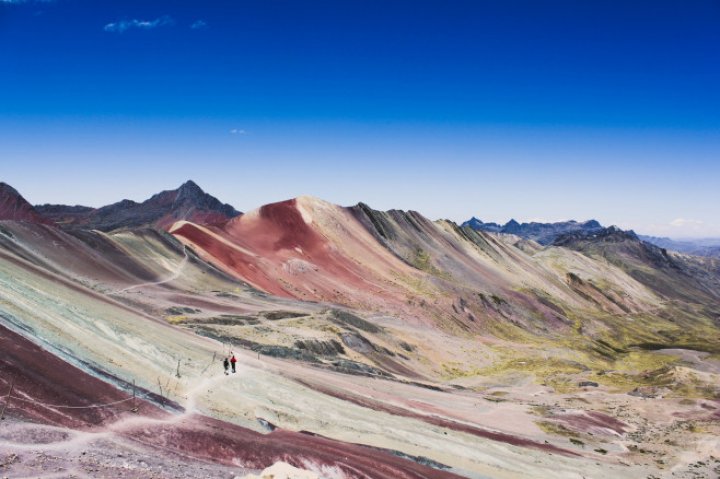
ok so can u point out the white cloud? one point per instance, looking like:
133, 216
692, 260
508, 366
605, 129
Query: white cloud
124, 25
198, 25
237, 131
682, 228
684, 222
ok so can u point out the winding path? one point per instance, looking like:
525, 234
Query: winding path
175, 275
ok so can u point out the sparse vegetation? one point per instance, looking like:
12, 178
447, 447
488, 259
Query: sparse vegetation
555, 428
423, 262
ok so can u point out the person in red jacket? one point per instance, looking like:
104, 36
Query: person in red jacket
233, 360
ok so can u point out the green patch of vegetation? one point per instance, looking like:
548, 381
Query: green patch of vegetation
694, 389
625, 382
423, 261
540, 367
499, 393
541, 410
176, 319
696, 428
561, 383
454, 370
556, 429
421, 286
512, 332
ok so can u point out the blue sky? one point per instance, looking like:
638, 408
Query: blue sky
543, 110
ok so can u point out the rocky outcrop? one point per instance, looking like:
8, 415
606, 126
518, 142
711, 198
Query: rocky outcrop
320, 348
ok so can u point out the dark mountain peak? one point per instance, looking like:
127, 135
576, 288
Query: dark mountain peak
478, 225
14, 207
512, 227
613, 233
190, 195
592, 224
125, 204
190, 184
190, 189
187, 202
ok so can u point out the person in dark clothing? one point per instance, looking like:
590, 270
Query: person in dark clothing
226, 365
233, 361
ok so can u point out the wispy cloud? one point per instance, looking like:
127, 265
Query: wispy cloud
682, 228
18, 2
198, 25
684, 222
238, 131
124, 25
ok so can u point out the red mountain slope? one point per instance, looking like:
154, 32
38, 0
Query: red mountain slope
14, 207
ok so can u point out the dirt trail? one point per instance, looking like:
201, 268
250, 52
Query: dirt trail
173, 276
128, 422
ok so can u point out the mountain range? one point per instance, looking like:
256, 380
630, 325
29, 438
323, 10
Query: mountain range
370, 343
543, 233
547, 233
696, 247
188, 202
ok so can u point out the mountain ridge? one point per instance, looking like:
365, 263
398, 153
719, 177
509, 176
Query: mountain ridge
187, 202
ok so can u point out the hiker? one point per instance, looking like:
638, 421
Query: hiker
226, 365
233, 361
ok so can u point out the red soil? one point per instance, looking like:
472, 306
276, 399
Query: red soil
40, 377
244, 265
266, 241
213, 440
592, 421
291, 227
14, 207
